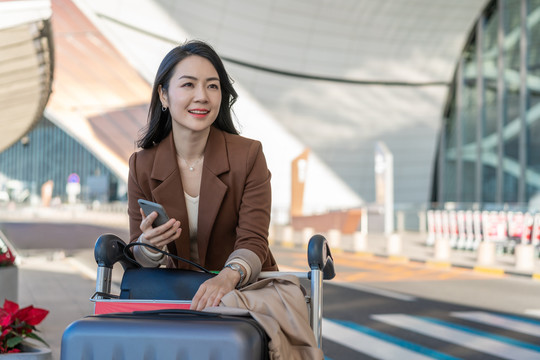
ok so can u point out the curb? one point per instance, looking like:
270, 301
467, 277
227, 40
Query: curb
441, 264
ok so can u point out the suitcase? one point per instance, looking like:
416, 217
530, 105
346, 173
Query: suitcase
175, 333
163, 335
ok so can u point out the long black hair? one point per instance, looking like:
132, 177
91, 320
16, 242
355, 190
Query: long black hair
160, 122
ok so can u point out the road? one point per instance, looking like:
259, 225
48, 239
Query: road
378, 308
385, 309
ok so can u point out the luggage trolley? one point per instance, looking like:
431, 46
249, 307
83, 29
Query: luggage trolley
118, 323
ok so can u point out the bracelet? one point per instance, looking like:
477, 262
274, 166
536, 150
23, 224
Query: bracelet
236, 267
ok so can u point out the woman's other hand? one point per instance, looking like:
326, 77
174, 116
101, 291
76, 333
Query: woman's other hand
161, 235
212, 290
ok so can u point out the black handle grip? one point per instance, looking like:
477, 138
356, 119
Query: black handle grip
328, 272
109, 250
320, 257
177, 312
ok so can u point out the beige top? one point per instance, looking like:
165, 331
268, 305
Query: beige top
192, 204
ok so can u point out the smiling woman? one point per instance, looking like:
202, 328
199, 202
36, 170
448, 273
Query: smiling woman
213, 183
193, 98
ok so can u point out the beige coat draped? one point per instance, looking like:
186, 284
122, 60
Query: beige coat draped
278, 305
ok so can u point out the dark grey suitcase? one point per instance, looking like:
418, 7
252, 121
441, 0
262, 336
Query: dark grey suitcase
163, 335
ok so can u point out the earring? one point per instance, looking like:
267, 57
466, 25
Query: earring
163, 108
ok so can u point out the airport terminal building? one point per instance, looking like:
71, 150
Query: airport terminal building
489, 144
448, 87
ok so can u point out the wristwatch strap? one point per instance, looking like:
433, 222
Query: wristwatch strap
236, 267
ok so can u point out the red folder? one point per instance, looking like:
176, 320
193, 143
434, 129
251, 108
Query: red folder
106, 306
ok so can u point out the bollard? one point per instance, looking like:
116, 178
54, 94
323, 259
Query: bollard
287, 236
307, 233
334, 238
400, 215
347, 242
360, 243
486, 253
525, 258
297, 238
442, 249
393, 244
364, 221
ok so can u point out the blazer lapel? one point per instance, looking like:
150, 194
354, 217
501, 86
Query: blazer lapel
170, 192
213, 190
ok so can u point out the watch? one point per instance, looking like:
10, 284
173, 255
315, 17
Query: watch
236, 267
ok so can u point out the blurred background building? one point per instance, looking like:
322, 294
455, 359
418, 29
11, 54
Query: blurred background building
448, 87
489, 145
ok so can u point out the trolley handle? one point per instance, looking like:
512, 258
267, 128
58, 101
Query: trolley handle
109, 250
320, 257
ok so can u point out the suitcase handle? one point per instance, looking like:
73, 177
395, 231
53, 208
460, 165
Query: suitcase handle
169, 312
162, 312
109, 249
320, 257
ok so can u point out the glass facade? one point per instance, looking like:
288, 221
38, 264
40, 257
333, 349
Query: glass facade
489, 149
48, 153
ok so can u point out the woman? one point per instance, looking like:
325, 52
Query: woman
213, 183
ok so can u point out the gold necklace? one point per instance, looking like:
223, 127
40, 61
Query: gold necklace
192, 166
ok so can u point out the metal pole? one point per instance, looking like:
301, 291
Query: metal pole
523, 103
103, 281
501, 102
442, 164
316, 305
459, 131
478, 189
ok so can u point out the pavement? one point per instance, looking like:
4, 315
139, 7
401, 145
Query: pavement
62, 281
488, 258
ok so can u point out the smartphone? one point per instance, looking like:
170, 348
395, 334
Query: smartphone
149, 206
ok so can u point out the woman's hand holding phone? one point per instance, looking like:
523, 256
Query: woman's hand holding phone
161, 235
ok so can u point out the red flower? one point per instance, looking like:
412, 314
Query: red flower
10, 306
17, 324
31, 315
6, 257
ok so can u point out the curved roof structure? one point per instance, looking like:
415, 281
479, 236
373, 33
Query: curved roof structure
99, 99
337, 77
26, 66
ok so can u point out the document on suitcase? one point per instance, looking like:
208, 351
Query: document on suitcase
163, 335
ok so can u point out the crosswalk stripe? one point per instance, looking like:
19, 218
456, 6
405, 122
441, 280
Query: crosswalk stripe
367, 344
501, 321
480, 341
493, 336
365, 336
377, 291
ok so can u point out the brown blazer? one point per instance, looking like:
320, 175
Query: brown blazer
234, 203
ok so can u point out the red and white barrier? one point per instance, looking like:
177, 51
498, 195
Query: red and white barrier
469, 229
453, 231
431, 227
494, 226
477, 229
535, 237
516, 225
462, 230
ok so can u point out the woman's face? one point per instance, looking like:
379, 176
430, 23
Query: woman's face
194, 94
